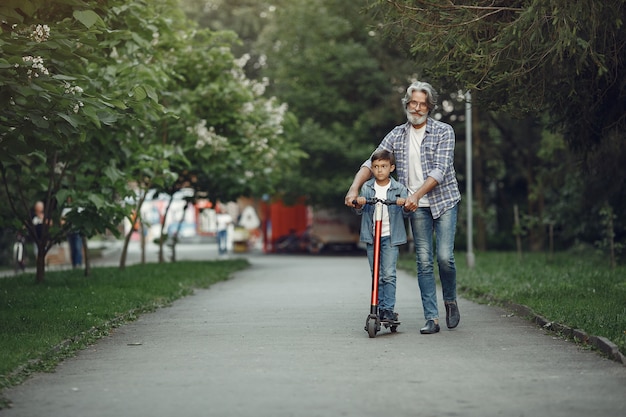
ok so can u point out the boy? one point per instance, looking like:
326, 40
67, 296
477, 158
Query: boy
393, 234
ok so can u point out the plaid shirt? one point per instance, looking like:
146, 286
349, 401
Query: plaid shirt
437, 161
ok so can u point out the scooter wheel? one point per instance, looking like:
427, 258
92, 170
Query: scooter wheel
371, 328
394, 329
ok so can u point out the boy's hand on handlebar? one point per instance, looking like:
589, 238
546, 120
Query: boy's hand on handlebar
411, 203
359, 202
400, 201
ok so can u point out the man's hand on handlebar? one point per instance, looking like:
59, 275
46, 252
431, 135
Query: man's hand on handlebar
351, 198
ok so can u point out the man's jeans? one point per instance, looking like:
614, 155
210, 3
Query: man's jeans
423, 226
387, 273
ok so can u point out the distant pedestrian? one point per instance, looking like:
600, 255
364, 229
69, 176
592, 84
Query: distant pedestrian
18, 253
74, 239
38, 221
224, 220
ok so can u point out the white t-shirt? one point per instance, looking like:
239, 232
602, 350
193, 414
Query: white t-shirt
381, 192
223, 220
416, 176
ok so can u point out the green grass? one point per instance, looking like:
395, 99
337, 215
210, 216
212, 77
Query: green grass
42, 323
577, 291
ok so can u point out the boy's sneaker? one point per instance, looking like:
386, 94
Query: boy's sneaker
392, 316
388, 315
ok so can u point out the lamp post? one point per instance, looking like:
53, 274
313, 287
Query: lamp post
468, 166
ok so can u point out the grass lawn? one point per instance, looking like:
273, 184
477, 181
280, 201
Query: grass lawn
580, 292
42, 323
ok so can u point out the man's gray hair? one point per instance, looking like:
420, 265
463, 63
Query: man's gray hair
424, 87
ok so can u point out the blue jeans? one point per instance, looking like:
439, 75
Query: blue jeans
423, 226
76, 248
387, 272
222, 247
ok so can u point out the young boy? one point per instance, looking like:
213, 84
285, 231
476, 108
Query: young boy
384, 187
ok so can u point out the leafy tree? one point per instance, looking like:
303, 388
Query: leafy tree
232, 135
51, 105
328, 63
530, 56
173, 98
246, 18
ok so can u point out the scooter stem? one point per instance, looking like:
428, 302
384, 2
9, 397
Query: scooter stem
378, 225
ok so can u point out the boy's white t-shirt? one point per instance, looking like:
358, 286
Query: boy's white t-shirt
381, 192
416, 175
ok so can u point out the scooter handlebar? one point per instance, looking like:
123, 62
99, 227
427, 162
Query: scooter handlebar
399, 201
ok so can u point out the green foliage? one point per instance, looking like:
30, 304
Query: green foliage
331, 76
530, 58
35, 319
102, 94
578, 290
60, 89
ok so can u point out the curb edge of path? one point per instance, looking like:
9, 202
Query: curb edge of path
602, 344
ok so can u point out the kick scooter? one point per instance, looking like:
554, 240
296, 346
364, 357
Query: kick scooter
373, 322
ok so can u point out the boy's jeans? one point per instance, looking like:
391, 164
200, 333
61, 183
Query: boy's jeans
423, 225
387, 273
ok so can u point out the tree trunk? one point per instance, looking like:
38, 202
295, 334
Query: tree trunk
180, 226
142, 239
125, 247
132, 228
163, 236
41, 264
518, 231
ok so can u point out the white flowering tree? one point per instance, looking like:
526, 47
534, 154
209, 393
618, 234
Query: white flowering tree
243, 149
232, 135
126, 92
58, 112
231, 132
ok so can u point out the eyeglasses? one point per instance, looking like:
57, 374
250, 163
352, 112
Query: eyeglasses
416, 104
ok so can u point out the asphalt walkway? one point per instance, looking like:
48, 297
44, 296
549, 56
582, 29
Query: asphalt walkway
285, 338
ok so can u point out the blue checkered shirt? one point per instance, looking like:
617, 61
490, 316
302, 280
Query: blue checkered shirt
437, 161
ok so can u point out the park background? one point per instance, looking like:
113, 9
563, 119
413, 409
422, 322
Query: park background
107, 103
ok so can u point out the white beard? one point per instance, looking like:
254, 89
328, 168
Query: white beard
416, 120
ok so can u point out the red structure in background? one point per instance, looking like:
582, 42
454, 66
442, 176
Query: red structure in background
281, 220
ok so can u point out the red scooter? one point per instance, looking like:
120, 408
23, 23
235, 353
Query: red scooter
373, 322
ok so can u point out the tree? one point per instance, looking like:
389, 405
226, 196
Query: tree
524, 54
340, 81
233, 135
173, 99
526, 57
52, 104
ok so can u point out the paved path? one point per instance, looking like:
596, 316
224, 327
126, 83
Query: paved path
286, 338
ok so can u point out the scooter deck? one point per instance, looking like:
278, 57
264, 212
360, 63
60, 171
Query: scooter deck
385, 322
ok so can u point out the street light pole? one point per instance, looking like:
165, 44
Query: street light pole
468, 166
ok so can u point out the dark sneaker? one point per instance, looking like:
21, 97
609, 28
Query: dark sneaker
452, 314
430, 327
393, 316
389, 315
383, 315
